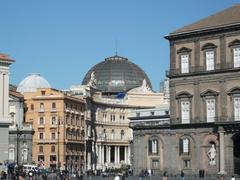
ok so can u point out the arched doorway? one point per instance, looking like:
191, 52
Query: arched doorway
236, 153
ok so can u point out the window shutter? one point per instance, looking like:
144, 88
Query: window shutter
236, 108
210, 60
210, 105
150, 146
185, 63
185, 112
180, 146
236, 57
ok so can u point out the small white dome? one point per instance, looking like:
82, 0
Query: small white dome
32, 82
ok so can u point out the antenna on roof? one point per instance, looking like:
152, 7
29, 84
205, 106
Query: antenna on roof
116, 47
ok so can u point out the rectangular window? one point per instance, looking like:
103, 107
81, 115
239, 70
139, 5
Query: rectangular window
41, 121
155, 164
236, 57
185, 145
53, 106
41, 135
209, 60
52, 149
41, 158
41, 107
236, 108
43, 93
154, 146
210, 105
32, 107
185, 112
54, 121
41, 149
185, 63
186, 163
53, 136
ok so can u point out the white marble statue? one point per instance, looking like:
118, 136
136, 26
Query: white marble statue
145, 87
92, 82
212, 155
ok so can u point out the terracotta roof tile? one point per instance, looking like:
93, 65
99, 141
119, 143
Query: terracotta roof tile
229, 16
5, 57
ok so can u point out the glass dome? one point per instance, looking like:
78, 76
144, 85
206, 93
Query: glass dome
116, 74
32, 82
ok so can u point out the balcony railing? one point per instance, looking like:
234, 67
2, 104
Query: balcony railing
148, 123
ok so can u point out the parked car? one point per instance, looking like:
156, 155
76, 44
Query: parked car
29, 167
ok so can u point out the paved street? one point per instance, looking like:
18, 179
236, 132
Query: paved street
157, 178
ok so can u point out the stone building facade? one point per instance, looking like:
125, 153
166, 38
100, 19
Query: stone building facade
204, 74
20, 133
5, 62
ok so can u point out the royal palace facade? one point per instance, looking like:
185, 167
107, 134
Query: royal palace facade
203, 128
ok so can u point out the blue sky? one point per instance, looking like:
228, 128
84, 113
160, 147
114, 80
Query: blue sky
63, 39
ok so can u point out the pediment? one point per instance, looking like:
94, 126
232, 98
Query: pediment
184, 50
209, 46
235, 42
183, 94
235, 90
209, 92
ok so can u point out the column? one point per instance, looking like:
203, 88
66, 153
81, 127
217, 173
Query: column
1, 95
129, 155
99, 156
221, 151
108, 154
125, 154
115, 155
118, 155
6, 95
102, 162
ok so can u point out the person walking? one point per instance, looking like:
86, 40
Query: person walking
182, 175
233, 177
165, 175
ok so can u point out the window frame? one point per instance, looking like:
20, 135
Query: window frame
180, 97
207, 48
181, 146
150, 146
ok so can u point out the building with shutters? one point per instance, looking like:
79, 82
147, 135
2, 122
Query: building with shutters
204, 75
58, 121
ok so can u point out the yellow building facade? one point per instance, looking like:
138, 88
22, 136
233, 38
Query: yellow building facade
58, 122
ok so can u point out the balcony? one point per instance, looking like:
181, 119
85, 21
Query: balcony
149, 123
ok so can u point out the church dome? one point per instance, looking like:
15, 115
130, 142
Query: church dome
116, 74
32, 82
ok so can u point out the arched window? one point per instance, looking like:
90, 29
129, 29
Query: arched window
153, 146
113, 134
184, 146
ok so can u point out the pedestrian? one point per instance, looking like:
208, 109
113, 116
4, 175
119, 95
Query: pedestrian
182, 175
117, 177
149, 173
165, 175
141, 175
221, 177
233, 177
